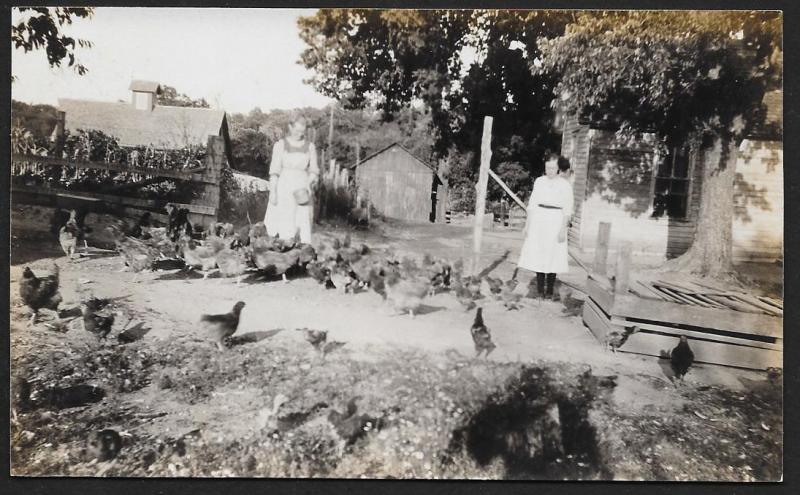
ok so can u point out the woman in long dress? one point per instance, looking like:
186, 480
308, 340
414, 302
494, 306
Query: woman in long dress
293, 175
544, 250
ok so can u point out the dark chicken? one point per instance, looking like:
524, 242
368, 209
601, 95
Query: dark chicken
219, 327
95, 322
351, 426
39, 292
681, 359
178, 222
103, 445
481, 335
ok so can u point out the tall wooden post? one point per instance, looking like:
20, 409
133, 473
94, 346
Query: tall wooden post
622, 276
480, 196
601, 252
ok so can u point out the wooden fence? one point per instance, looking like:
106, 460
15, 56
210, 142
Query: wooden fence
203, 209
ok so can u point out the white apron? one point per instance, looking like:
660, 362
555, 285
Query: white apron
541, 251
294, 167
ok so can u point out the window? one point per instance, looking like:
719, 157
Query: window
672, 184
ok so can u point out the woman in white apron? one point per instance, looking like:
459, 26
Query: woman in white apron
293, 175
544, 250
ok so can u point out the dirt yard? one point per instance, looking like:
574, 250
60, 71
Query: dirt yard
531, 410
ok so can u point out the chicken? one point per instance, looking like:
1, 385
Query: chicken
481, 336
616, 338
95, 322
495, 286
232, 263
138, 229
103, 445
681, 358
510, 298
68, 237
318, 271
405, 294
341, 278
219, 327
351, 426
257, 231
306, 254
463, 295
316, 338
272, 262
178, 222
196, 255
40, 292
58, 220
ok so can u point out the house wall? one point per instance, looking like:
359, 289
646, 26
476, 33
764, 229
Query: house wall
619, 189
397, 185
758, 202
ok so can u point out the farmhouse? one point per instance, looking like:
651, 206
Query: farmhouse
143, 123
401, 186
654, 200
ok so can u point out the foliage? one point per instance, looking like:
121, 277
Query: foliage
171, 98
39, 120
394, 59
336, 202
97, 146
237, 202
42, 27
515, 177
675, 73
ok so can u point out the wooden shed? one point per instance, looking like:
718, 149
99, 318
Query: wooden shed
401, 186
654, 200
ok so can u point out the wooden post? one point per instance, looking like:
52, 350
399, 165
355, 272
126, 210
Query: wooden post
601, 252
623, 268
480, 196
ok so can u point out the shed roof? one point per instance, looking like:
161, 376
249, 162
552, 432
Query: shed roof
164, 126
352, 166
145, 86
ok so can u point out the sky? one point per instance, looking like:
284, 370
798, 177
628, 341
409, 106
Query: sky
237, 59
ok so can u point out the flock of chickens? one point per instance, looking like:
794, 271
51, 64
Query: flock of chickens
404, 282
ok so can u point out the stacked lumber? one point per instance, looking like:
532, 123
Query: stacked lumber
725, 326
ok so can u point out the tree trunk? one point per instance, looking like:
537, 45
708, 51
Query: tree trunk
710, 254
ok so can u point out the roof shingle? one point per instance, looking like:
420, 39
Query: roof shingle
163, 127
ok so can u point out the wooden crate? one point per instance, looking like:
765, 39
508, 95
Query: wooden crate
717, 335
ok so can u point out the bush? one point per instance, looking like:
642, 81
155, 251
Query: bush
334, 202
236, 202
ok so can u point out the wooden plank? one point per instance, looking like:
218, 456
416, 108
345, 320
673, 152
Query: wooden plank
113, 167
481, 187
697, 334
655, 294
719, 319
734, 304
108, 198
685, 298
601, 251
705, 352
769, 309
603, 296
506, 188
623, 268
774, 302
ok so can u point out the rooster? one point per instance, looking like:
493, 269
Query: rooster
220, 327
481, 335
40, 292
681, 359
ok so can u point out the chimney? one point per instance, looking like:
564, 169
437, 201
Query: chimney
143, 94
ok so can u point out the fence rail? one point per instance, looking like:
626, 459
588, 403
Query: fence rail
194, 174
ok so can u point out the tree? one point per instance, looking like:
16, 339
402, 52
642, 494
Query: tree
688, 77
395, 59
42, 27
170, 97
